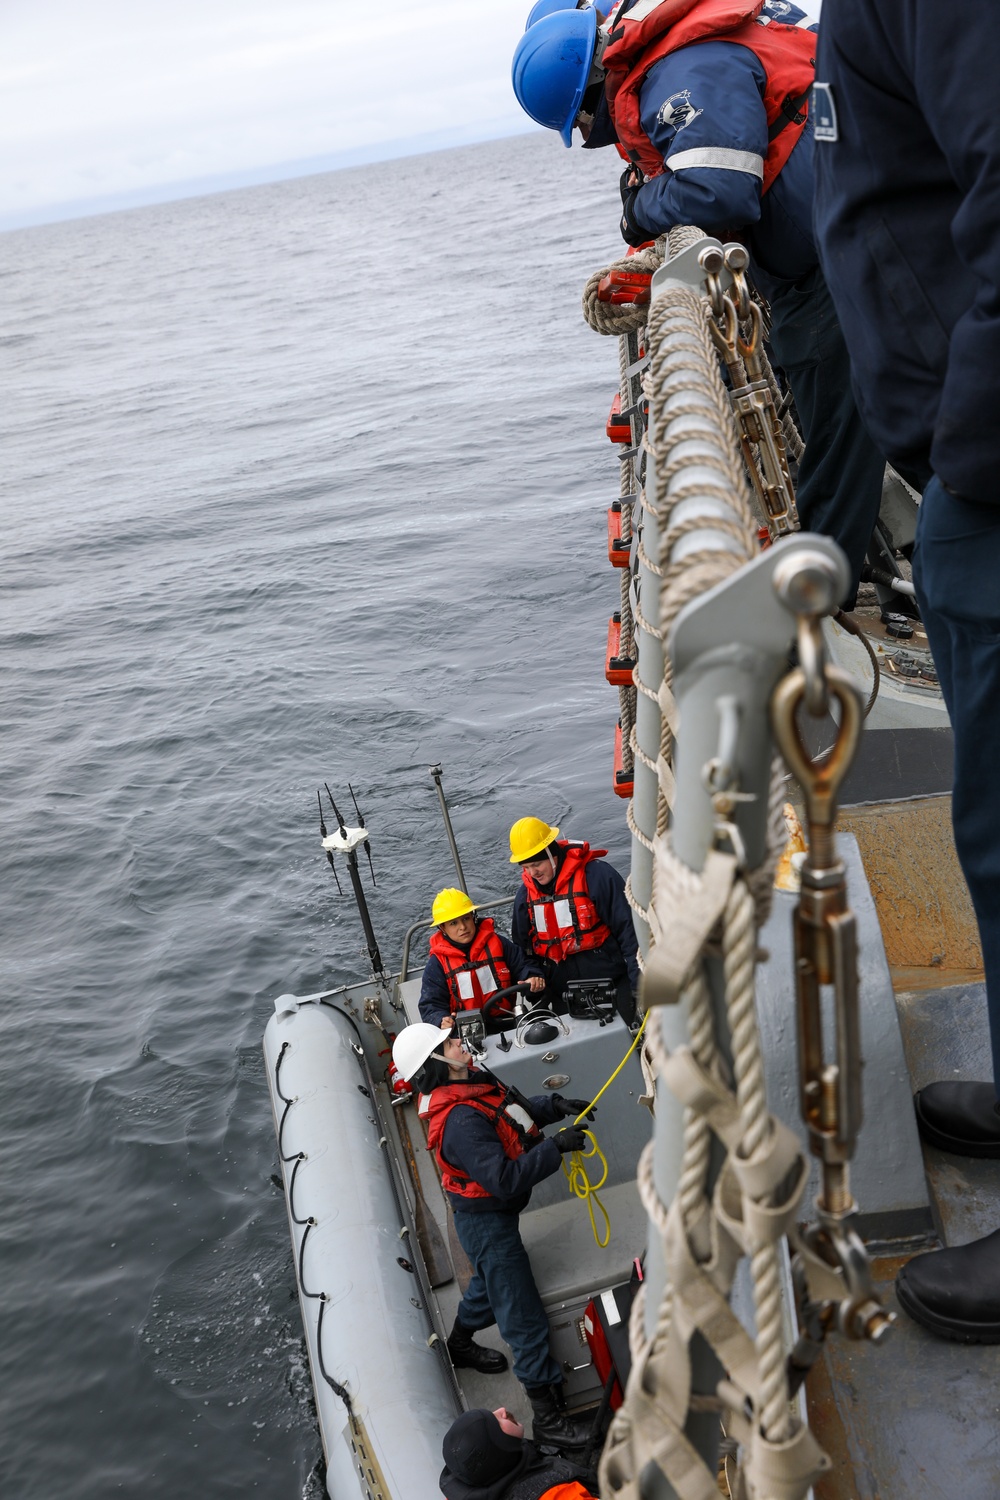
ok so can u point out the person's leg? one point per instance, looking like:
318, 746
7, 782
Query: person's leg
474, 1310
474, 1314
955, 1293
956, 568
492, 1242
840, 475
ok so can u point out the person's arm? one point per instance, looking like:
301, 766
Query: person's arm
520, 927
543, 1111
522, 965
703, 109
471, 1143
435, 1002
607, 891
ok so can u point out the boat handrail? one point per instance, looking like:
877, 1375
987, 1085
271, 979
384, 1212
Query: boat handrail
419, 926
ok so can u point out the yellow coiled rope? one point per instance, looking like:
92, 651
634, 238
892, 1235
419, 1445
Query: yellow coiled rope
576, 1173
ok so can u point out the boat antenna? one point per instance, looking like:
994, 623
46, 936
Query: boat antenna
336, 812
345, 841
368, 847
436, 774
327, 852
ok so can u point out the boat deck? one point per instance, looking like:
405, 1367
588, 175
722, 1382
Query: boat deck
919, 1417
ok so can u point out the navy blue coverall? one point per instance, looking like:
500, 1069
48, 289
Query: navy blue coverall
703, 107
503, 1289
908, 220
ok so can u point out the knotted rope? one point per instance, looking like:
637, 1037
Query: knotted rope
692, 442
626, 317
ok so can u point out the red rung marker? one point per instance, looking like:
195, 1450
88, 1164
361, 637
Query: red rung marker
618, 430
617, 668
618, 550
622, 787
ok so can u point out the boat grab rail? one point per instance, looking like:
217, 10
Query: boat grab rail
426, 922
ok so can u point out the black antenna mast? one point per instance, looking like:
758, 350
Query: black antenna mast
345, 841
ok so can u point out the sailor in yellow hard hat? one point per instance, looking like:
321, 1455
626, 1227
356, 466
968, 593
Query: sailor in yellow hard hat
469, 962
571, 913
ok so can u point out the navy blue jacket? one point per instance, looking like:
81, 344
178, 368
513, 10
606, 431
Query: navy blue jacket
435, 1001
471, 1143
709, 98
908, 221
607, 891
534, 1475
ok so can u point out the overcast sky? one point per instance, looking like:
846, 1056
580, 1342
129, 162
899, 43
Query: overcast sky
100, 98
121, 100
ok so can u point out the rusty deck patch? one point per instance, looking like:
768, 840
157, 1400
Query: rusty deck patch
924, 909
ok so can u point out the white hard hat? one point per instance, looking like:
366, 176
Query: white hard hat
414, 1045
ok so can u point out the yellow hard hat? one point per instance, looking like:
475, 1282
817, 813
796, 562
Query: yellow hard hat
528, 837
449, 904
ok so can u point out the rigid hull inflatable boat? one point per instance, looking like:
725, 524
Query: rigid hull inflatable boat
379, 1267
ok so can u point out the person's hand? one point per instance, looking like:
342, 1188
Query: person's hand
633, 232
535, 984
446, 1023
571, 1138
570, 1108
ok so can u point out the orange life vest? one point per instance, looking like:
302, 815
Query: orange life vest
473, 974
653, 29
571, 1490
514, 1127
565, 920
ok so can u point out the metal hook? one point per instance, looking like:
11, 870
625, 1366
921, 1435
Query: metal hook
819, 779
812, 660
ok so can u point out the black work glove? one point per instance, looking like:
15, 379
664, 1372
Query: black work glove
633, 232
570, 1108
569, 1139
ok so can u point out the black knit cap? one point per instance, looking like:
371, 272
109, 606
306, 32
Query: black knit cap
478, 1451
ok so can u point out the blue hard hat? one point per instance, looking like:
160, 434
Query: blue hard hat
546, 7
551, 67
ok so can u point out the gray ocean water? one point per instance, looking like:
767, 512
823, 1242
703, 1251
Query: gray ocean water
301, 482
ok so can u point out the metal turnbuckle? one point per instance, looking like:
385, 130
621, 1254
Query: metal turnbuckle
833, 1259
825, 935
737, 329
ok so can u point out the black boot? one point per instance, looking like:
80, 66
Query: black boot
960, 1117
466, 1354
551, 1423
955, 1293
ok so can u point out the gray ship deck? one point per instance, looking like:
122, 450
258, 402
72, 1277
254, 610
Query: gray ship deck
919, 1417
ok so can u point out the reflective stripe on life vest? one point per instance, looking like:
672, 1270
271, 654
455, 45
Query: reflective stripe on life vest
652, 29
565, 920
473, 973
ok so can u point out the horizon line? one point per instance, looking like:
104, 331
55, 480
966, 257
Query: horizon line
433, 141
